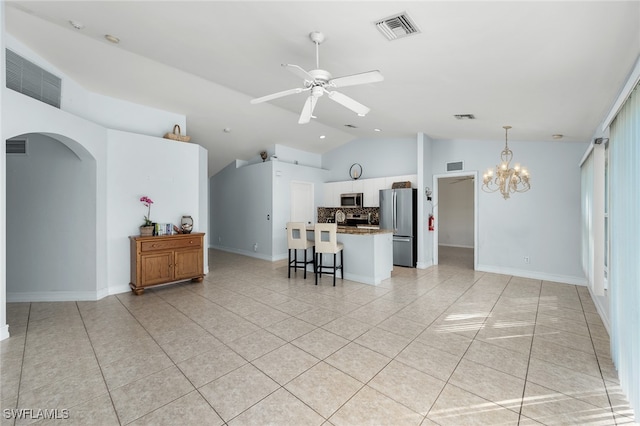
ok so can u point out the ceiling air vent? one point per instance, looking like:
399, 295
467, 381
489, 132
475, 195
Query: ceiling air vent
29, 79
455, 166
397, 26
353, 126
16, 146
465, 116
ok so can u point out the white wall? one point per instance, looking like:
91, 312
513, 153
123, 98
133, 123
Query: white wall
100, 109
251, 204
378, 157
166, 171
541, 223
291, 155
455, 212
4, 328
425, 174
125, 166
241, 209
283, 175
23, 115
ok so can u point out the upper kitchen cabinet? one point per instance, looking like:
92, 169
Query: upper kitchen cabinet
357, 185
370, 188
331, 194
371, 191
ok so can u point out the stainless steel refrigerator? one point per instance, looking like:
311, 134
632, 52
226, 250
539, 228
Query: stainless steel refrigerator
398, 211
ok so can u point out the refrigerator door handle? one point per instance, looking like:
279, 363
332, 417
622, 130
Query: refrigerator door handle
395, 212
406, 239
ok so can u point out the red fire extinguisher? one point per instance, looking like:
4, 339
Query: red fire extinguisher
432, 222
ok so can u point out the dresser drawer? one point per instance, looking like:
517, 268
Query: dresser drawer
169, 244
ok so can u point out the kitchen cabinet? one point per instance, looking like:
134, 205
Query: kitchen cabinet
331, 193
371, 191
164, 259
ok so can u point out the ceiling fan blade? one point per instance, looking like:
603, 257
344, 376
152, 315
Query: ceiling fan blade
299, 71
347, 102
277, 95
307, 109
352, 80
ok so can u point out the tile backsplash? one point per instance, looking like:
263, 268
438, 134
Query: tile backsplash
328, 214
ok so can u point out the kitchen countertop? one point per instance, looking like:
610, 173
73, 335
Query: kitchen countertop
353, 230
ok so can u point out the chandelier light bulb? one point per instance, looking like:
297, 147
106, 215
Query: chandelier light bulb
507, 180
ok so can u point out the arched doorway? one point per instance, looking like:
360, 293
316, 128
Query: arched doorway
50, 220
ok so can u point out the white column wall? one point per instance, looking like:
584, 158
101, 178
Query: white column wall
4, 328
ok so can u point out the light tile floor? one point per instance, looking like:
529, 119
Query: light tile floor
446, 346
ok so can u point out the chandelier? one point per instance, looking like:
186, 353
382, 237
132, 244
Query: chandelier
506, 179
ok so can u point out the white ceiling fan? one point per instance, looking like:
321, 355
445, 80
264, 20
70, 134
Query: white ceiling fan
319, 81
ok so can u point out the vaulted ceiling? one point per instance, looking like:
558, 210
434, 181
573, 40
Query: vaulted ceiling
544, 68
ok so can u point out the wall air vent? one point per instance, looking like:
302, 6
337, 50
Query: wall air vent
29, 79
465, 116
397, 26
16, 146
455, 166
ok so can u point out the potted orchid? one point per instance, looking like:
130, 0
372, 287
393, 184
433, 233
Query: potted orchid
146, 229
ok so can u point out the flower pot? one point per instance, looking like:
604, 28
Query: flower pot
146, 231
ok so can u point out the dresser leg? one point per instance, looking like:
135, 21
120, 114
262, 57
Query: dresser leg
136, 290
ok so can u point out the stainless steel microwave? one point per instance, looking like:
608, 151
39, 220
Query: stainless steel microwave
351, 200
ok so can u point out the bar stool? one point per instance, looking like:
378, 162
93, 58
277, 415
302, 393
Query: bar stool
326, 242
297, 240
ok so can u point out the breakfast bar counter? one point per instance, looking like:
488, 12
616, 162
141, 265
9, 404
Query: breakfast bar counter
368, 253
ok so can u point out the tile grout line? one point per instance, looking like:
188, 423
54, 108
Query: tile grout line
604, 384
24, 352
172, 361
84, 325
526, 375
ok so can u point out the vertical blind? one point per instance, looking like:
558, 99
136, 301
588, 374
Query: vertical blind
592, 210
624, 269
586, 181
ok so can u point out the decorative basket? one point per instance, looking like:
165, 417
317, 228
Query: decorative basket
176, 136
398, 185
146, 231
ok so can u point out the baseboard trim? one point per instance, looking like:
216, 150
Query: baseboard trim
424, 265
52, 296
244, 253
602, 310
4, 332
565, 279
119, 289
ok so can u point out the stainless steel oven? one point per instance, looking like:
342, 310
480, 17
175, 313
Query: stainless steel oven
351, 200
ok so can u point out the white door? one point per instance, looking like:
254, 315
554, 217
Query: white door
302, 202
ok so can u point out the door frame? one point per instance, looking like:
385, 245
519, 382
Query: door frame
436, 181
311, 188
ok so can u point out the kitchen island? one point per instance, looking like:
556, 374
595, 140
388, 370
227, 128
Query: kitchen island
368, 253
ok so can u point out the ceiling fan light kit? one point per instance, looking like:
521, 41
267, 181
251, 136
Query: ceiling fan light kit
319, 82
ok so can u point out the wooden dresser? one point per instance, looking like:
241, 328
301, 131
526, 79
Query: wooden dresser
165, 259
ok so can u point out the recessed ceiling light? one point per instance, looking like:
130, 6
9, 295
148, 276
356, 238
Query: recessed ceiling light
77, 25
227, 130
376, 130
557, 136
361, 115
322, 136
112, 39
